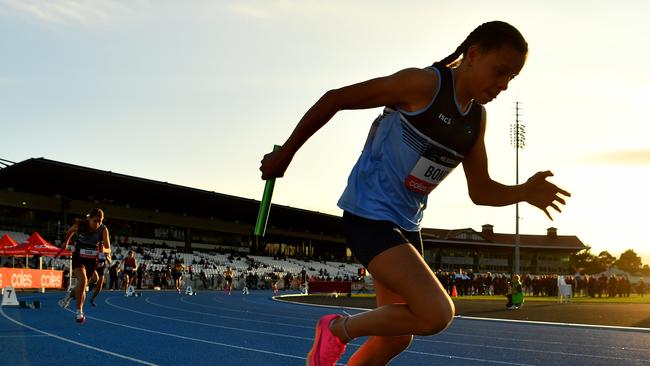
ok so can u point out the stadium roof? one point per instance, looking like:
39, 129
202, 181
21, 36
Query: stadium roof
49, 177
469, 236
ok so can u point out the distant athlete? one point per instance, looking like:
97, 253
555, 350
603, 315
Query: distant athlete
177, 274
228, 274
90, 234
130, 266
275, 279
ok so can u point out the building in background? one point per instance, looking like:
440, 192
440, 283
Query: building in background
487, 251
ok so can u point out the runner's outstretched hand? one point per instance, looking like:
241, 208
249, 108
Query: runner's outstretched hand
541, 193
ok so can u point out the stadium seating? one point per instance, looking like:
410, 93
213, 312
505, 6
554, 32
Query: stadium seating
17, 236
160, 256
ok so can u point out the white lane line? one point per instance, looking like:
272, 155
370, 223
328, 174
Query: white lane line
281, 335
495, 347
194, 339
270, 315
292, 316
599, 338
243, 311
465, 344
280, 299
74, 342
206, 324
517, 331
343, 310
468, 358
227, 317
572, 325
256, 302
506, 321
23, 336
242, 319
351, 344
491, 337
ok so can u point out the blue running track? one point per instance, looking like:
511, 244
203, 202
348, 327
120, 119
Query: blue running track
212, 328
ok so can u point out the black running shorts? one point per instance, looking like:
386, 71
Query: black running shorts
367, 238
89, 263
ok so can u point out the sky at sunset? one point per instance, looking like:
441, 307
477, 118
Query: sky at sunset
196, 92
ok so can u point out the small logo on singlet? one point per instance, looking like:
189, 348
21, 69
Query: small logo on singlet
446, 120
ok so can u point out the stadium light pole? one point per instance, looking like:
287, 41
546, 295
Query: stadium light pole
518, 141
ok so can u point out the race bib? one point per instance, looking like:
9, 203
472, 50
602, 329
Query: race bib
128, 268
88, 253
432, 167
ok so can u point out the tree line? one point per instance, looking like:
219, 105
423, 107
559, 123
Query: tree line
588, 263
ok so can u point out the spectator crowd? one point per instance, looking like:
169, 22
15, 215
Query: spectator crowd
467, 284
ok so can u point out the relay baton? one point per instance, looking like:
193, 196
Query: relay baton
265, 204
61, 251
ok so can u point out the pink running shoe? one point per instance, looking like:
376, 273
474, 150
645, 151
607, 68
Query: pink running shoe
327, 348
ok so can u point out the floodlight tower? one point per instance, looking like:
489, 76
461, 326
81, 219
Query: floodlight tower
518, 141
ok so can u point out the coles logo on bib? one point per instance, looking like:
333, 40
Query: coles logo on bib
432, 167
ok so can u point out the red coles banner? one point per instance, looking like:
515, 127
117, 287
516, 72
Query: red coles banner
30, 278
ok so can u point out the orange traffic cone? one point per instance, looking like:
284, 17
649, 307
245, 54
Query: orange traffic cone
454, 293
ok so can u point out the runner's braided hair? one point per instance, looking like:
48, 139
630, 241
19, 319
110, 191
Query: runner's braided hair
488, 36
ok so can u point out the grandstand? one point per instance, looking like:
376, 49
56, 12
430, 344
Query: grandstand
215, 264
18, 236
157, 258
